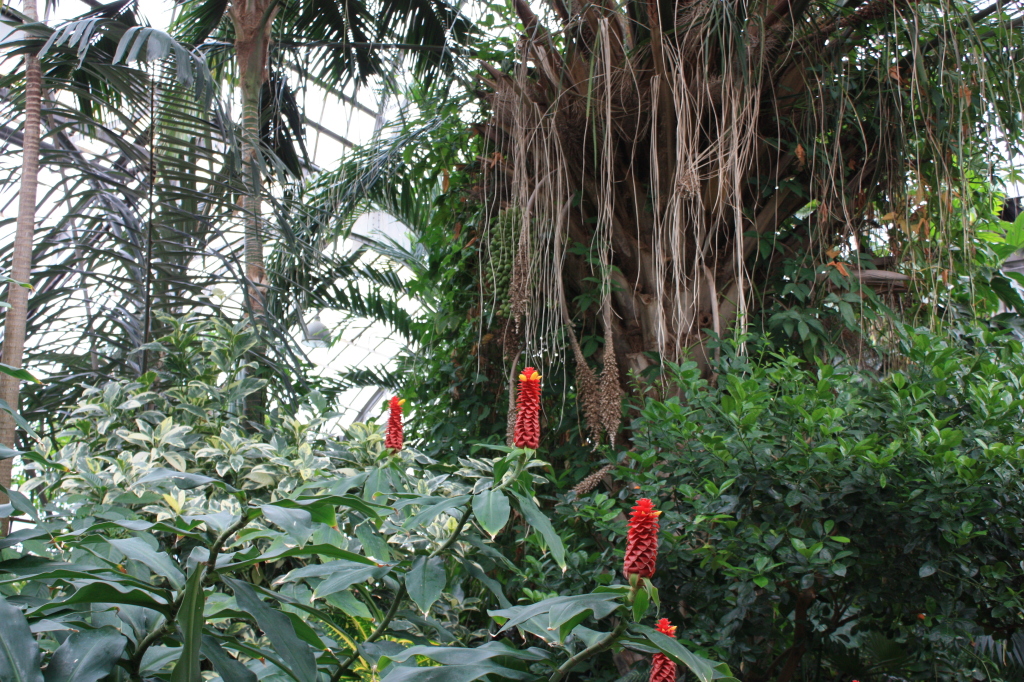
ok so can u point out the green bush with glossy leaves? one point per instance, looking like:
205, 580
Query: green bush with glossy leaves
826, 523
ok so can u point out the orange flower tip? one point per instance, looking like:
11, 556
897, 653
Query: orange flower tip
401, 401
522, 377
656, 513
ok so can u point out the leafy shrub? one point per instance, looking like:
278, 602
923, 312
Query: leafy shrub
822, 521
165, 539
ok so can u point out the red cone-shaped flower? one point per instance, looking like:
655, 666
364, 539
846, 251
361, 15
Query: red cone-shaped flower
663, 668
393, 437
642, 540
527, 431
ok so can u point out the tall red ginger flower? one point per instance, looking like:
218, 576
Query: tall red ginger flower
642, 540
527, 431
663, 668
393, 437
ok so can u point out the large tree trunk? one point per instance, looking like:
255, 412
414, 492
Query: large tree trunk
253, 20
648, 164
21, 266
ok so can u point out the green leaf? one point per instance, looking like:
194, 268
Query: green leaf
18, 373
373, 544
21, 502
114, 593
190, 621
184, 481
640, 605
701, 667
451, 655
425, 581
278, 627
536, 518
339, 575
20, 657
455, 673
296, 522
560, 610
86, 656
322, 507
18, 419
306, 551
158, 562
347, 602
927, 569
7, 453
493, 585
427, 515
228, 667
492, 510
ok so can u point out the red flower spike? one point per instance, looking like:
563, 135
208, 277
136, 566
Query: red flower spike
527, 430
393, 437
663, 668
642, 540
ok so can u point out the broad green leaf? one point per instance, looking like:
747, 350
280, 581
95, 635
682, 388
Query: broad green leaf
425, 581
322, 507
451, 655
114, 593
559, 609
373, 543
159, 658
18, 419
298, 523
641, 602
183, 480
427, 515
455, 673
7, 453
18, 373
190, 622
301, 663
536, 518
492, 510
20, 656
251, 558
493, 585
86, 656
20, 502
229, 668
22, 535
338, 575
347, 602
158, 562
701, 667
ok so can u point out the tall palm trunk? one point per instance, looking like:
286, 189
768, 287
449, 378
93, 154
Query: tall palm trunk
253, 20
17, 296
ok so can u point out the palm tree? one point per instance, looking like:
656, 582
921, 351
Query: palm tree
343, 43
148, 227
21, 267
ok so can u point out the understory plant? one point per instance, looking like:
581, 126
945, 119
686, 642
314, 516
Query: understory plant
159, 536
822, 522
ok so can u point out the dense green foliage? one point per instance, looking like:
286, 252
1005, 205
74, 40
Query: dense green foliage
823, 521
161, 540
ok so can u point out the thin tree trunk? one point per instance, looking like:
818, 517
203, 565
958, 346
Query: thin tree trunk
21, 267
253, 20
